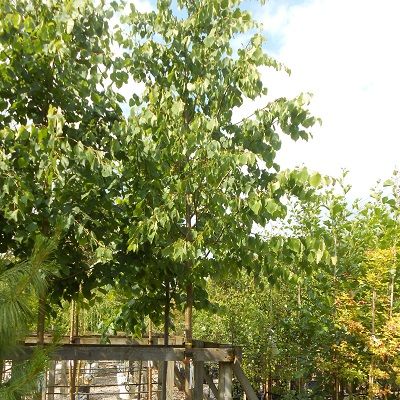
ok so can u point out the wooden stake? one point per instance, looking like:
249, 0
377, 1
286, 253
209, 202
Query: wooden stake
225, 381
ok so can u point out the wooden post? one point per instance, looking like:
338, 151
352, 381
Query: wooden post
170, 380
51, 381
135, 370
63, 378
161, 379
225, 381
198, 380
139, 388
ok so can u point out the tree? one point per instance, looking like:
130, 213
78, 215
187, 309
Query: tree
56, 151
195, 182
20, 286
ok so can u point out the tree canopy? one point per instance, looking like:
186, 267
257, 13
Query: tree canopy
173, 201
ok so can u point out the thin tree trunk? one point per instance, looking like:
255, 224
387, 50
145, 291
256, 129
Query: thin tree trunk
166, 340
149, 369
188, 336
73, 331
392, 282
335, 281
372, 364
299, 380
41, 321
391, 296
373, 312
189, 294
337, 387
269, 385
350, 389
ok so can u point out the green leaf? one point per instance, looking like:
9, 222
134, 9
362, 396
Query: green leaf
14, 215
177, 108
294, 244
255, 204
271, 206
318, 255
106, 170
16, 19
315, 179
209, 40
64, 161
70, 26
388, 182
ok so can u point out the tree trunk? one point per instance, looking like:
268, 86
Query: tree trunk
393, 273
337, 387
188, 337
73, 333
41, 322
166, 340
350, 389
269, 385
149, 367
372, 364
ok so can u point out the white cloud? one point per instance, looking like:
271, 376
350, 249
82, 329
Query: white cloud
345, 52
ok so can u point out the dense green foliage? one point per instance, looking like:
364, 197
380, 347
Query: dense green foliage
335, 329
177, 203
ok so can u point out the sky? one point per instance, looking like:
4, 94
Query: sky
347, 54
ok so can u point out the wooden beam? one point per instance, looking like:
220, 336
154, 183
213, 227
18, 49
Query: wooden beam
128, 352
98, 339
242, 378
225, 354
211, 384
179, 379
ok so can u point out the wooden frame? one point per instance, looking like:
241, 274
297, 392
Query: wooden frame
122, 348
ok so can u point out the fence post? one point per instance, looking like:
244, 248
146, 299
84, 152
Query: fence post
198, 380
225, 381
51, 381
170, 380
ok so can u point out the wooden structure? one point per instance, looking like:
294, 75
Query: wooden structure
89, 348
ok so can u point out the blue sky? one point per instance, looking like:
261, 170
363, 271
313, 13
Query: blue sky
346, 53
